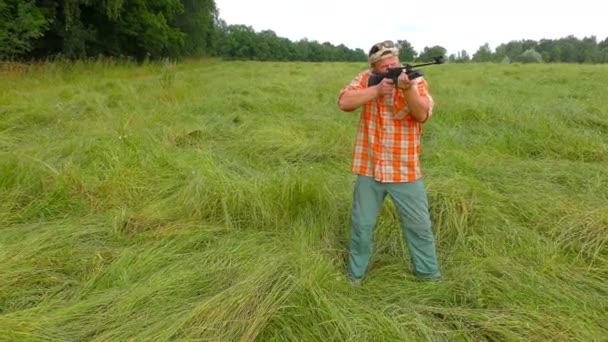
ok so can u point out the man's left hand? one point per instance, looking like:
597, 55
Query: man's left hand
404, 82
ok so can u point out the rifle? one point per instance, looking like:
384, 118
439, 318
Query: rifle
393, 73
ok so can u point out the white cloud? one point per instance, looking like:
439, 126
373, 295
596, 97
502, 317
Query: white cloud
455, 25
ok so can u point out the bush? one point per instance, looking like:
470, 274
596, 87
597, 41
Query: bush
530, 56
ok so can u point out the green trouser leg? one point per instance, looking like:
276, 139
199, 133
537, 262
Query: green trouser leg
367, 201
411, 202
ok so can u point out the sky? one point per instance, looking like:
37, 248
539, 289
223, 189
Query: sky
456, 25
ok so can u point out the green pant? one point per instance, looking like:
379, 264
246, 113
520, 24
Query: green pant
411, 201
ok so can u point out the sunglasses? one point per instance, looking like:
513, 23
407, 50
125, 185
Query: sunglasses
387, 44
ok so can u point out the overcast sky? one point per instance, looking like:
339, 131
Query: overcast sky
456, 25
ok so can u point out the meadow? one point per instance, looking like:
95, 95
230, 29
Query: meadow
210, 200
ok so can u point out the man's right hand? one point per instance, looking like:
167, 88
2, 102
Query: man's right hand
352, 99
385, 87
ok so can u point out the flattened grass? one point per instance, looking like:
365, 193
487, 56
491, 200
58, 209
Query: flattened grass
210, 200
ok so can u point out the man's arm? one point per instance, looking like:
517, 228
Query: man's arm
352, 99
416, 95
419, 105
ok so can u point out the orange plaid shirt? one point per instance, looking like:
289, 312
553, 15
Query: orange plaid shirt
387, 146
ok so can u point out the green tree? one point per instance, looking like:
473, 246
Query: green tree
510, 50
138, 28
484, 54
429, 53
528, 44
460, 57
239, 42
21, 23
198, 21
568, 49
145, 28
549, 50
589, 50
603, 51
406, 51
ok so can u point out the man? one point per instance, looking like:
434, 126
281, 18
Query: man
386, 161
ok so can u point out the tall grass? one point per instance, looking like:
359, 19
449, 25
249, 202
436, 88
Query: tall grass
210, 200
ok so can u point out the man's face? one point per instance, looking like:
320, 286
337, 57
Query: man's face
382, 65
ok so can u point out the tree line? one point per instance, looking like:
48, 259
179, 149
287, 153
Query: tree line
144, 29
569, 49
153, 29
243, 42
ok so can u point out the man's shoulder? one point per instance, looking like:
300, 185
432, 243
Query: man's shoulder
362, 77
366, 73
358, 82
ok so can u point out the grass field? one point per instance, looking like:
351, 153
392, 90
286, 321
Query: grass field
210, 200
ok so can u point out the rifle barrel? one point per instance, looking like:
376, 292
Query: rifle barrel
424, 64
437, 60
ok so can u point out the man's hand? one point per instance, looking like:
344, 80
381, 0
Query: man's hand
404, 82
385, 87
